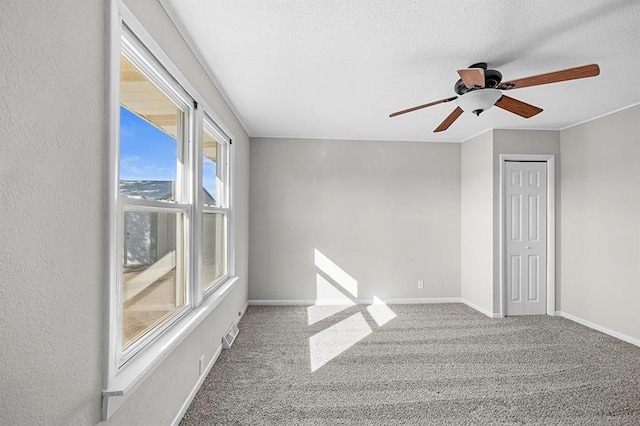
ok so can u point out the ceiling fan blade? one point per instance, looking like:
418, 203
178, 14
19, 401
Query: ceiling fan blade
415, 108
517, 107
449, 120
472, 77
552, 77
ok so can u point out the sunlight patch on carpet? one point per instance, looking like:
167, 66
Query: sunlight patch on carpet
380, 312
318, 312
331, 342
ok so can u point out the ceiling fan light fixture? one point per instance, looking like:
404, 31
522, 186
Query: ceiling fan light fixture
478, 101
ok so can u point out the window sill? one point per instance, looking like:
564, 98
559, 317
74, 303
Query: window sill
139, 368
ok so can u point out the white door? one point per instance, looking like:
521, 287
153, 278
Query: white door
526, 238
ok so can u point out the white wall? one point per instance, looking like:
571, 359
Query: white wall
601, 221
386, 213
52, 192
477, 221
52, 202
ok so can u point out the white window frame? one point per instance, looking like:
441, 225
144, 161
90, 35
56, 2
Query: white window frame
125, 371
209, 124
141, 58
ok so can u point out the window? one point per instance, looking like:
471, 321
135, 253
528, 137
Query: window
153, 201
172, 211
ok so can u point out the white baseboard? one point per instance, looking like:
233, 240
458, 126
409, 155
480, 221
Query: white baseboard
203, 376
307, 302
421, 301
242, 311
600, 328
264, 302
481, 310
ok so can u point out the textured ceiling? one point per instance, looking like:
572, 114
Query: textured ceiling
336, 69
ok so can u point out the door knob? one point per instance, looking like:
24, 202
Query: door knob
528, 248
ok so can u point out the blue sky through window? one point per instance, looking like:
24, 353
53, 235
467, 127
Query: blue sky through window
148, 153
209, 176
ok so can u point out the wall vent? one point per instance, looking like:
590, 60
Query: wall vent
230, 336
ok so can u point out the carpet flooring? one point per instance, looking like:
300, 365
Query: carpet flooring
417, 364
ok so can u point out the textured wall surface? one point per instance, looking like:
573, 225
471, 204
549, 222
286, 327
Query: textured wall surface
601, 221
386, 213
477, 220
52, 205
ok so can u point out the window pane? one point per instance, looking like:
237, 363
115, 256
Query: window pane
153, 283
212, 169
149, 148
214, 248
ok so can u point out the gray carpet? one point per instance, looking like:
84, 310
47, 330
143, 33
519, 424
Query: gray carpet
431, 364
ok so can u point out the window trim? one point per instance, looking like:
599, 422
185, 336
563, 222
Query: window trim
120, 381
140, 57
210, 126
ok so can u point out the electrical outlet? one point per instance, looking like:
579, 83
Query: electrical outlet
420, 284
201, 366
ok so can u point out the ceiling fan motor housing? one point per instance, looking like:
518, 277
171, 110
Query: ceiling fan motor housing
491, 79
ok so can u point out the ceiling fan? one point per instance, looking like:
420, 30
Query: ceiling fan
481, 88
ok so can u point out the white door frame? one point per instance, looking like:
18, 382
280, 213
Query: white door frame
551, 227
